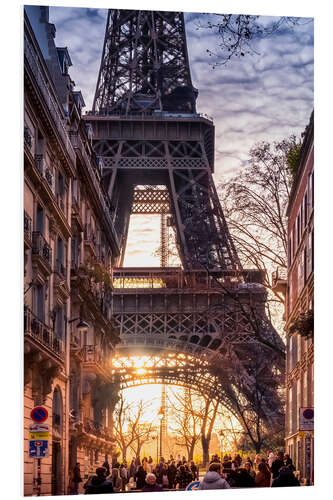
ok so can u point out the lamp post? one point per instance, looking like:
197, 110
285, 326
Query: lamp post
161, 416
221, 434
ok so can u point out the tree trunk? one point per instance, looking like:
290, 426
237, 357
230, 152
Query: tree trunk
191, 451
205, 442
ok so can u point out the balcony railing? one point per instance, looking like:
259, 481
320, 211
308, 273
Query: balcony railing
41, 247
95, 428
27, 136
54, 107
92, 354
60, 268
49, 177
60, 201
38, 330
27, 226
89, 234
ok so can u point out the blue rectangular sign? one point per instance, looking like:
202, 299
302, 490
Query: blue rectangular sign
38, 448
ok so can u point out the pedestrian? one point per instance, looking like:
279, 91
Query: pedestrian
171, 473
277, 464
194, 470
98, 484
270, 458
76, 479
263, 476
257, 461
132, 469
140, 478
116, 480
213, 480
106, 465
123, 476
288, 462
151, 484
244, 478
183, 478
285, 478
248, 468
226, 464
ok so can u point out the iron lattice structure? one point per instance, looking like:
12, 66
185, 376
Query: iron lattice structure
211, 313
144, 64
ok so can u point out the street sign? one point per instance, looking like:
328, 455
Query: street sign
39, 414
306, 419
39, 428
38, 448
193, 486
39, 435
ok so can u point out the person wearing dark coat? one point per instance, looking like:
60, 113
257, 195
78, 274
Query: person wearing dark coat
140, 478
171, 473
277, 464
195, 471
183, 478
98, 484
76, 479
244, 479
288, 462
285, 478
107, 466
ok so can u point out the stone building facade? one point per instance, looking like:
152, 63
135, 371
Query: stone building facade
70, 246
299, 309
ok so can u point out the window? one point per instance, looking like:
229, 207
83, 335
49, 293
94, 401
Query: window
305, 209
40, 302
311, 190
40, 219
298, 230
310, 253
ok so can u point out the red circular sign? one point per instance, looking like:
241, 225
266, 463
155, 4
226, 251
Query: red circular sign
39, 414
308, 414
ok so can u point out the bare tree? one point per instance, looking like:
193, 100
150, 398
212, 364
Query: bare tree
255, 202
130, 432
237, 34
187, 422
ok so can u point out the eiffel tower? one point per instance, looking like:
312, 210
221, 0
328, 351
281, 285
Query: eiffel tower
190, 322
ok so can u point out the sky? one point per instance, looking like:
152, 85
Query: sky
263, 97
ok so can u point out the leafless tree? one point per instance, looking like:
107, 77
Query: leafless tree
186, 419
237, 34
130, 431
255, 202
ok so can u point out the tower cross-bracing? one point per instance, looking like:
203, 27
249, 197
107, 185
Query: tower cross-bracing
147, 132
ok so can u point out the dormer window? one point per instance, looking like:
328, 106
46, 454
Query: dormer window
64, 60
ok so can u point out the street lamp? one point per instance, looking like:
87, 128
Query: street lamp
81, 326
161, 416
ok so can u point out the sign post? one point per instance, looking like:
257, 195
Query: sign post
39, 440
306, 426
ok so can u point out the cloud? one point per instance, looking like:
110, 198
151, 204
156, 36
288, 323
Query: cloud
263, 97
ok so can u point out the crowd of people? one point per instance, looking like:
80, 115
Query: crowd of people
177, 473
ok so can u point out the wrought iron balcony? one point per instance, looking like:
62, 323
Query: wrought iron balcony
41, 248
49, 177
27, 227
60, 201
43, 334
97, 429
40, 163
96, 359
27, 137
60, 268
